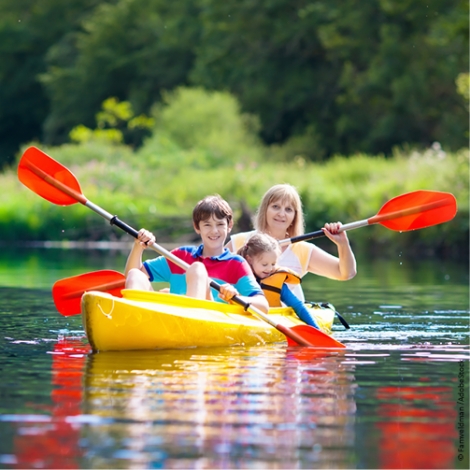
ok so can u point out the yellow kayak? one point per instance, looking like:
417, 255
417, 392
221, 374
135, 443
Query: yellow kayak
154, 320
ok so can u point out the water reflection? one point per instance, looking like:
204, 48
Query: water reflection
224, 407
417, 426
50, 438
273, 407
388, 401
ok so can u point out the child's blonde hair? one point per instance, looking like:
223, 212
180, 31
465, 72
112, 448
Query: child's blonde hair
286, 194
257, 244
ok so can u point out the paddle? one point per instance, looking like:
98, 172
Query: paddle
410, 211
55, 183
340, 317
67, 293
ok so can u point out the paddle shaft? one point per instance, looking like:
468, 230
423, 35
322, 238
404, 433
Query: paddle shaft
376, 219
183, 265
114, 220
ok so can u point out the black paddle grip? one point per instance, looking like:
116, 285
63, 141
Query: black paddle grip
307, 236
123, 226
235, 299
215, 285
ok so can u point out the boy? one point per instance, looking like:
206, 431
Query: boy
213, 221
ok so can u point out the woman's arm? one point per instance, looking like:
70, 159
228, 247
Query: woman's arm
341, 268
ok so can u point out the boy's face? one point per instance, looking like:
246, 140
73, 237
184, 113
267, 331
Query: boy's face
213, 232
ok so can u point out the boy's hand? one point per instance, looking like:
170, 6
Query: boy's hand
227, 291
145, 238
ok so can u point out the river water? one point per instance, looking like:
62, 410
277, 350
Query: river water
397, 397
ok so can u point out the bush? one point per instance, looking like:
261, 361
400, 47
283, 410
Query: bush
202, 145
201, 129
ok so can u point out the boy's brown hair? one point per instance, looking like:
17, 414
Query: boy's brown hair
212, 206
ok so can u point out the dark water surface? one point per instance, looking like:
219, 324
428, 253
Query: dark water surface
397, 397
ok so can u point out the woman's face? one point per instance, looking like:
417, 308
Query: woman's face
263, 264
279, 216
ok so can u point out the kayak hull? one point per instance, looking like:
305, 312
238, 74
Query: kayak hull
154, 320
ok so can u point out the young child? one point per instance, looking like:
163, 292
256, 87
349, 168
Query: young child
262, 252
280, 214
212, 220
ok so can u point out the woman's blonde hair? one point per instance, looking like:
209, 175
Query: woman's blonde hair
286, 194
257, 244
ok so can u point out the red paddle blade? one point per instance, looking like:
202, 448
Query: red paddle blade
315, 337
67, 293
416, 210
48, 178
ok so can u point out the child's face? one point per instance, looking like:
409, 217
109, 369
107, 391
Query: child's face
213, 232
264, 264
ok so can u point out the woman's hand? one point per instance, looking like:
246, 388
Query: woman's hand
145, 238
227, 292
332, 231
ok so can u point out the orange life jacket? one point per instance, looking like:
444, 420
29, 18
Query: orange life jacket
272, 284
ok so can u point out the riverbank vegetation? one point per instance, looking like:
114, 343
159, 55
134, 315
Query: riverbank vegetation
199, 143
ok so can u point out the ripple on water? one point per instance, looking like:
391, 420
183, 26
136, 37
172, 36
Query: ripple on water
393, 388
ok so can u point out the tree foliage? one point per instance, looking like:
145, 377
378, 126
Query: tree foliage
198, 129
344, 75
324, 76
129, 49
115, 123
28, 30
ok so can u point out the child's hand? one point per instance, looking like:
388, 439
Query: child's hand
227, 291
145, 238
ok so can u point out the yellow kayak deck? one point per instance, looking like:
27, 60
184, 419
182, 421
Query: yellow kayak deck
155, 320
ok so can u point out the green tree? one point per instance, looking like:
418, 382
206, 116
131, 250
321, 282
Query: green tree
201, 129
270, 58
397, 85
341, 76
130, 49
28, 28
324, 76
115, 123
